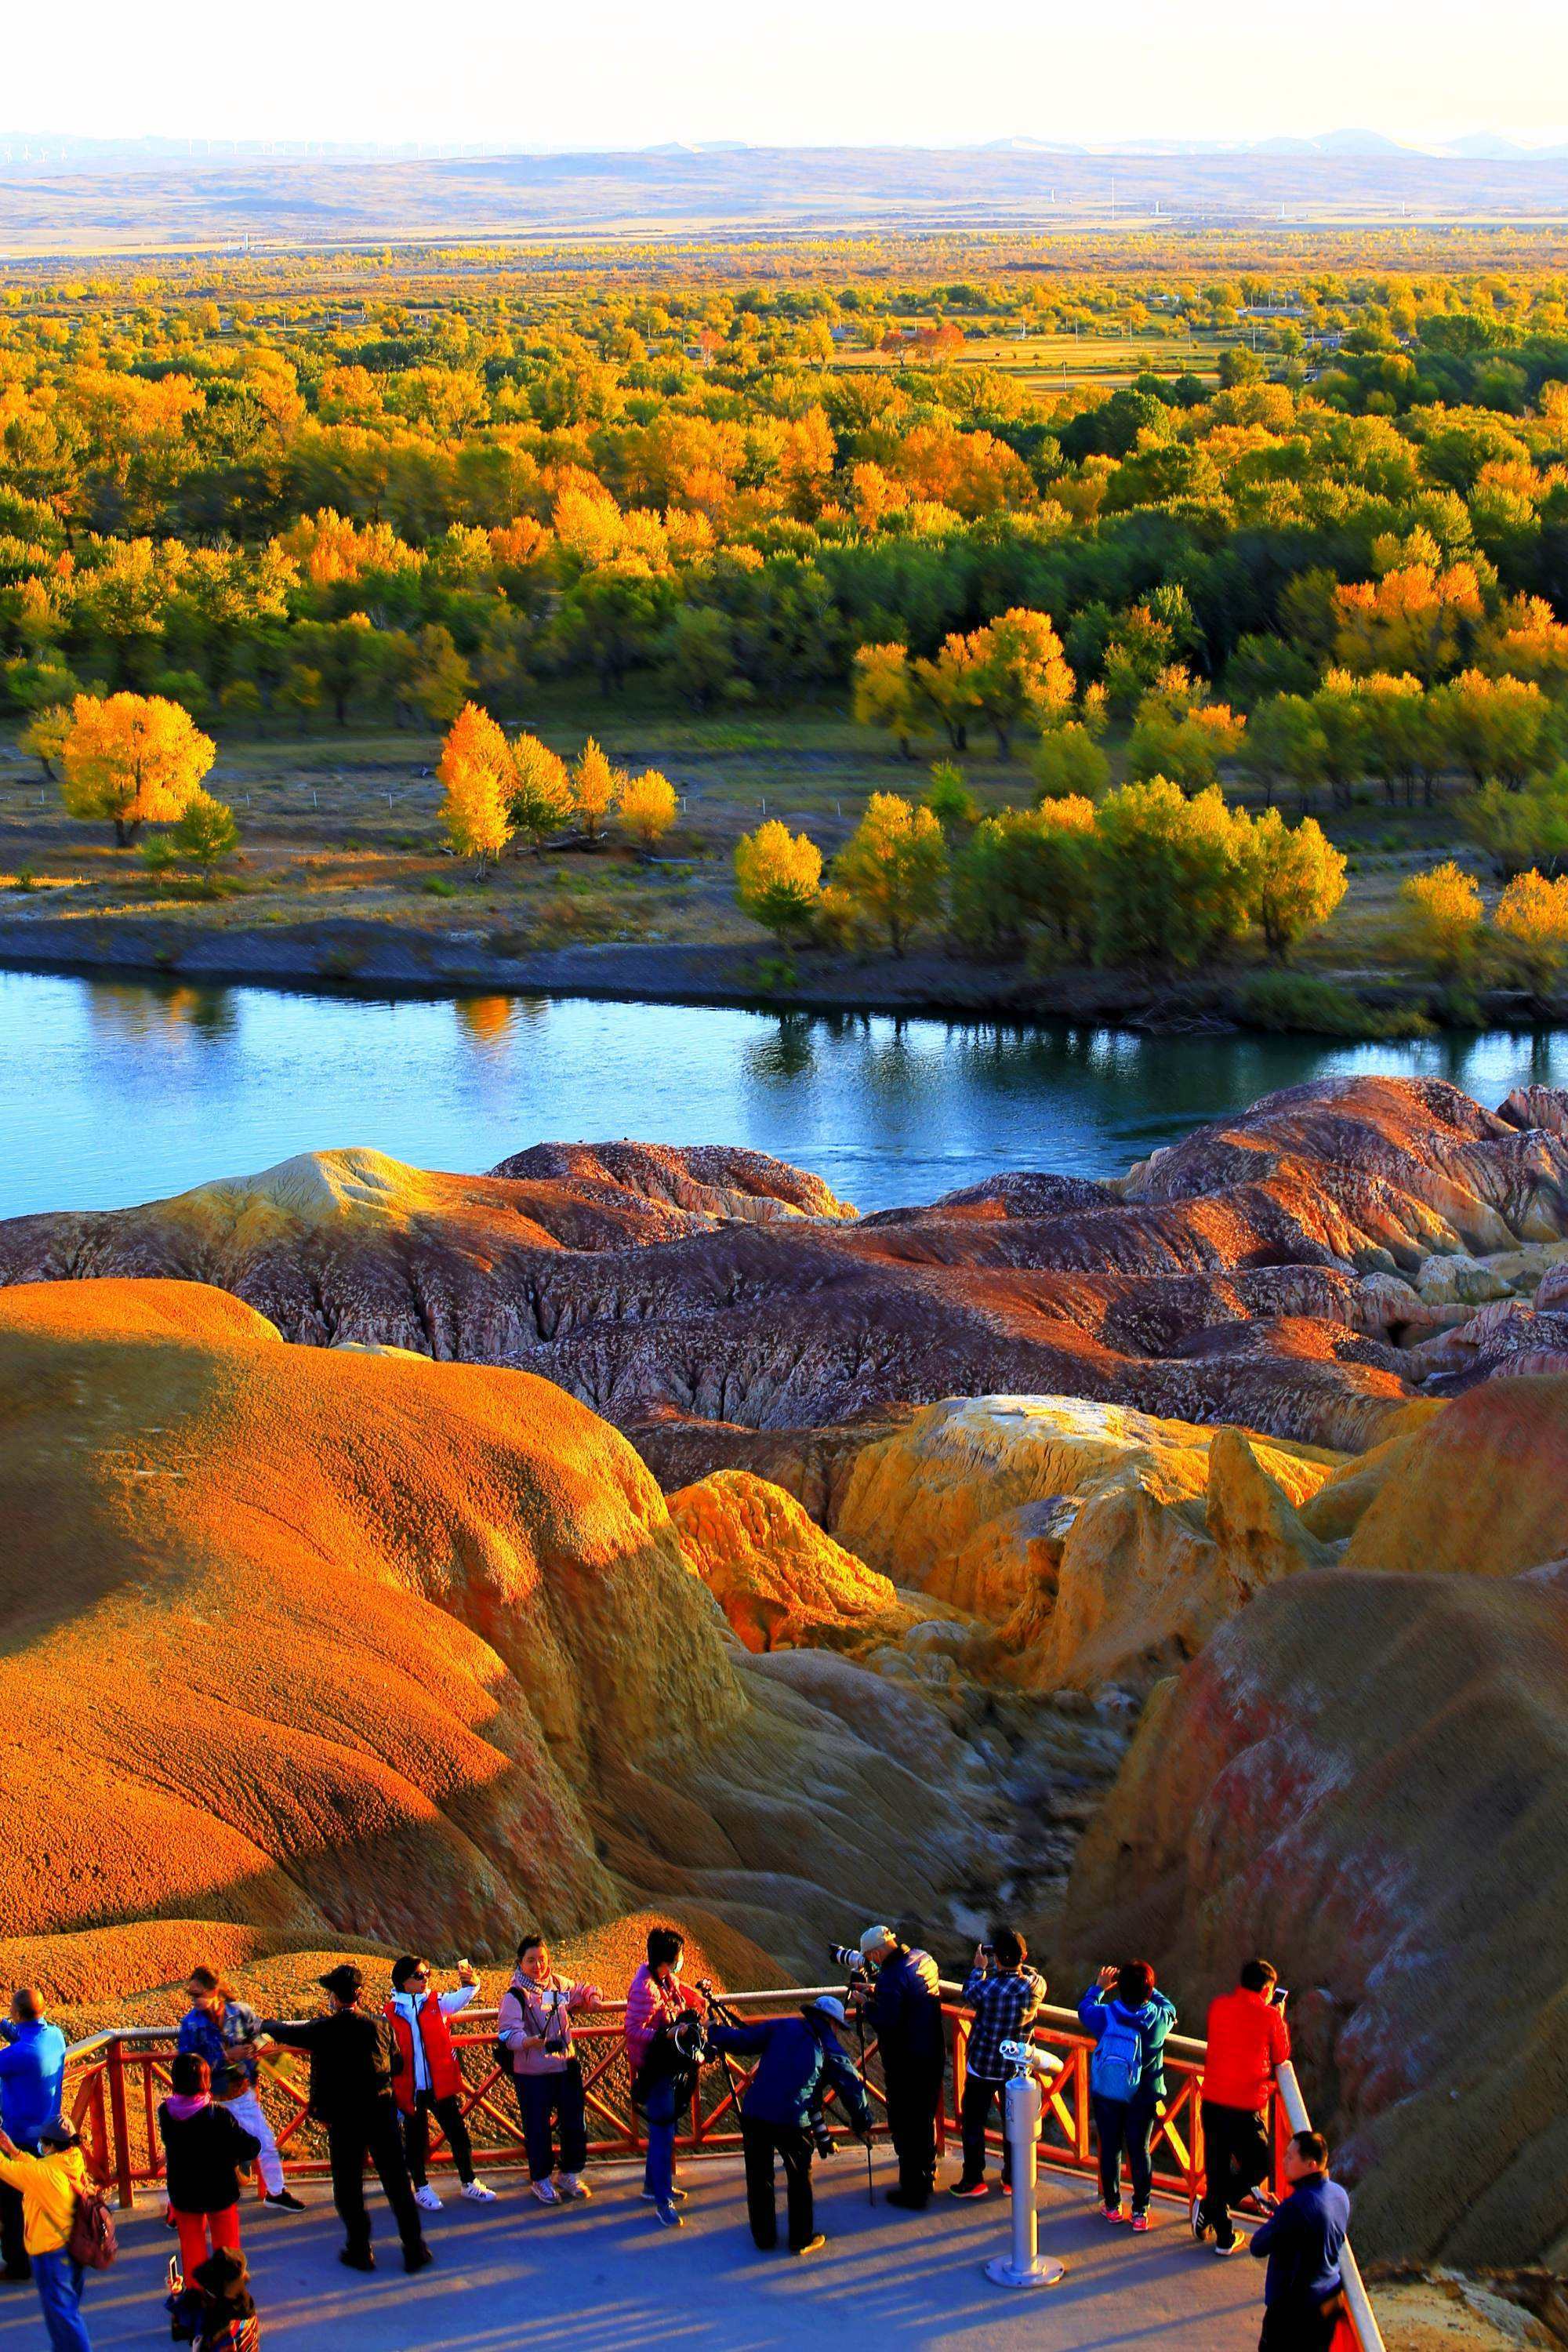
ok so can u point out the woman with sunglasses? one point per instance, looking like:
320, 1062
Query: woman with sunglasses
430, 2080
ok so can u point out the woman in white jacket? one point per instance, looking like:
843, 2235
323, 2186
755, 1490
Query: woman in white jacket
535, 2027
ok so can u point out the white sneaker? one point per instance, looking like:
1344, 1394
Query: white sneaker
426, 2200
476, 2193
572, 2184
545, 2192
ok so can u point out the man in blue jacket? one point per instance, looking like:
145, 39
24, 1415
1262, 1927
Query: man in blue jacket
1302, 2244
799, 2060
32, 2074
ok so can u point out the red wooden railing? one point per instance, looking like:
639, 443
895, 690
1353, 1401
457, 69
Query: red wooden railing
115, 2081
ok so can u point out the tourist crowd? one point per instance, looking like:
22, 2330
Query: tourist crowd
379, 2076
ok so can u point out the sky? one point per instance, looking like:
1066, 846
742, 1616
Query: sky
517, 74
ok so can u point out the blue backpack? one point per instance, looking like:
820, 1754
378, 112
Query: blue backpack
1116, 2068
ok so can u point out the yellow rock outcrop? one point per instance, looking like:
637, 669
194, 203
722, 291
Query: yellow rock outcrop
1104, 1543
781, 1581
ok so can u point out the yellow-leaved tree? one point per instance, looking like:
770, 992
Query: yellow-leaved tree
477, 777
595, 784
1533, 912
645, 806
892, 866
132, 759
778, 878
1442, 912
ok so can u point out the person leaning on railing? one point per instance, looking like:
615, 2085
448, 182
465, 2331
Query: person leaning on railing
1248, 2042
534, 2029
1005, 1996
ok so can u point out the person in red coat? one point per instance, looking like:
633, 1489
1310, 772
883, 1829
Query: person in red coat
430, 2080
1248, 2041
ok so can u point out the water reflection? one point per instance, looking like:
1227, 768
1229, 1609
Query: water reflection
118, 1090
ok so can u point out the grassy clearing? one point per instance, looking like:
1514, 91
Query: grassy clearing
346, 824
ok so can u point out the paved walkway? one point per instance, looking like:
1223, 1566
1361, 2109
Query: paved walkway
604, 2277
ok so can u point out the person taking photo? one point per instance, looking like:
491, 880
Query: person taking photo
1003, 1995
903, 2009
429, 2079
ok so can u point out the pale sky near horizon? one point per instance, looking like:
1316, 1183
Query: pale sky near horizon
623, 73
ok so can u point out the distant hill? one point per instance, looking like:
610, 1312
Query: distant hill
144, 201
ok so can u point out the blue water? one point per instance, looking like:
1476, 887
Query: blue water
120, 1091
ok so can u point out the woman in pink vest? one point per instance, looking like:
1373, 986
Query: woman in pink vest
429, 2082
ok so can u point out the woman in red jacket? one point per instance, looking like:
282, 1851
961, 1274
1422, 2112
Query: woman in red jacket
430, 2080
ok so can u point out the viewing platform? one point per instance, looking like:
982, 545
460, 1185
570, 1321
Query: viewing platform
604, 2277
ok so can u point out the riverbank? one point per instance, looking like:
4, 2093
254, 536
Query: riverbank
408, 959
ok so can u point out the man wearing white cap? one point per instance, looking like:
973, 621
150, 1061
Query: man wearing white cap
799, 2058
904, 2011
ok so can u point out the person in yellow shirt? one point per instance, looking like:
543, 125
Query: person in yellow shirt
50, 2184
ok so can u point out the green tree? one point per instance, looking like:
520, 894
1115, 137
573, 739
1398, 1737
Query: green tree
1173, 878
1069, 764
540, 801
1025, 871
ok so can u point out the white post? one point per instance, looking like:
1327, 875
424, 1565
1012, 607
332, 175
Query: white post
1024, 2265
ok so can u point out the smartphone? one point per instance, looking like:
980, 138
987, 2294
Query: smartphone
1280, 1996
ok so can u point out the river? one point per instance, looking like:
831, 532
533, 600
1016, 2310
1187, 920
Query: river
120, 1091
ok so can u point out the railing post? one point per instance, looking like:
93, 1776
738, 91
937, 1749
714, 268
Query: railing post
119, 2123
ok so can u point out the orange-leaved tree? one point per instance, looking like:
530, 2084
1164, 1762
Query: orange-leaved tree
477, 777
132, 759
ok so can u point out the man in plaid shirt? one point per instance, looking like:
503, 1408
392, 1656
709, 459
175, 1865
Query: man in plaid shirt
1005, 1995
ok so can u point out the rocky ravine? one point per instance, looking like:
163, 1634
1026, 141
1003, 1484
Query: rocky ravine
1215, 1455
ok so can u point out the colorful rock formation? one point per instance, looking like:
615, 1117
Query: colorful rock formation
1245, 1276
337, 1644
1365, 1774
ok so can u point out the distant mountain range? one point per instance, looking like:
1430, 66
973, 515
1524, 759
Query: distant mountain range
28, 152
69, 199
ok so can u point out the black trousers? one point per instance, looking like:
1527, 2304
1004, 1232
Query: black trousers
12, 2245
1129, 2122
448, 2113
973, 2116
914, 2095
1236, 2156
557, 2099
762, 2143
373, 2134
1292, 2328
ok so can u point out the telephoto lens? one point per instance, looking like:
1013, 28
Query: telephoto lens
846, 1956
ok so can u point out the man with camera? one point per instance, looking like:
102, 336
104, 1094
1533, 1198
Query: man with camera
902, 2006
1004, 1994
1248, 2041
799, 2060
